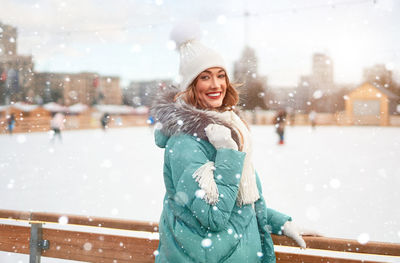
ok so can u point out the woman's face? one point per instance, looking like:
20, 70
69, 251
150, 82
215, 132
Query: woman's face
210, 87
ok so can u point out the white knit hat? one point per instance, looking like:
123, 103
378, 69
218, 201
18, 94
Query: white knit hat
194, 56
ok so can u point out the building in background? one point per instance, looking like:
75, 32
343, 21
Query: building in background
282, 98
16, 71
254, 89
322, 73
141, 93
19, 82
382, 77
68, 89
315, 91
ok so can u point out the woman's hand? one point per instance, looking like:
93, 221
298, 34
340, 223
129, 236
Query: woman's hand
220, 137
292, 231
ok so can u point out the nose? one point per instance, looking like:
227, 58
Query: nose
215, 83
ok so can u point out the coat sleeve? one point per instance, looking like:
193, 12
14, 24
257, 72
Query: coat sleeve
186, 156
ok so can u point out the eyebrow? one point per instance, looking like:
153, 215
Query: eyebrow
219, 71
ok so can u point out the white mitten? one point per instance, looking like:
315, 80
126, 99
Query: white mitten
290, 230
220, 137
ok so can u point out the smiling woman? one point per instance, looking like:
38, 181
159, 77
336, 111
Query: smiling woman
213, 209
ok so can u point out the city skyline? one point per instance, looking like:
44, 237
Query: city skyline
131, 40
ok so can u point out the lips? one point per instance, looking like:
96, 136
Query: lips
214, 95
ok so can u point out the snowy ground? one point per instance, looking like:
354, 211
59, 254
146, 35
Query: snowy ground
341, 181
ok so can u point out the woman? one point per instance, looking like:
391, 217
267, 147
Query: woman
213, 209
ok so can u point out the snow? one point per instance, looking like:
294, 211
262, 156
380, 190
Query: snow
77, 108
55, 107
24, 107
115, 109
340, 181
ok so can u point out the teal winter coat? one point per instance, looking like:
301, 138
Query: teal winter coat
191, 229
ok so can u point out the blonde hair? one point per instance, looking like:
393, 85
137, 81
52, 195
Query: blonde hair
230, 100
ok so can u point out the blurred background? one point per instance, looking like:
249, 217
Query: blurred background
330, 69
299, 56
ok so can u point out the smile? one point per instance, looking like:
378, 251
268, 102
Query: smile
214, 95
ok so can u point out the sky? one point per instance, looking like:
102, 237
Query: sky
130, 39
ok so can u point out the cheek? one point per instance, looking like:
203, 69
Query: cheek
225, 89
199, 89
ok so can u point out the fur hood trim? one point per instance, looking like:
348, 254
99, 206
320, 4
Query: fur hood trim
177, 117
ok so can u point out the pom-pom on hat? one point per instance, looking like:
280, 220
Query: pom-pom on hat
194, 56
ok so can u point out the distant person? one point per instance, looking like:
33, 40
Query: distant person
150, 120
280, 123
56, 125
312, 118
105, 120
11, 123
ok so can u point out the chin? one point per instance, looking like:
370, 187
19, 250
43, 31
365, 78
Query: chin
215, 105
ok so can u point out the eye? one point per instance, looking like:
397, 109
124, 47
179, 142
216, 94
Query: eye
204, 77
222, 76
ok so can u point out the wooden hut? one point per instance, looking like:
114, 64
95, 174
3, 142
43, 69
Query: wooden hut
370, 105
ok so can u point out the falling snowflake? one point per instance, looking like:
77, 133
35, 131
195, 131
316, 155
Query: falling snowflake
87, 246
63, 220
200, 193
206, 243
21, 139
317, 94
363, 238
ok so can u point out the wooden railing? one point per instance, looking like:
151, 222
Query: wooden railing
89, 246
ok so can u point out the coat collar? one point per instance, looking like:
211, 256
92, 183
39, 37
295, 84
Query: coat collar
176, 117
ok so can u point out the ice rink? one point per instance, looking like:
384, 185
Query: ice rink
341, 181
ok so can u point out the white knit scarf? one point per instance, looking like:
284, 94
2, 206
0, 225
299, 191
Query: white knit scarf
248, 191
204, 176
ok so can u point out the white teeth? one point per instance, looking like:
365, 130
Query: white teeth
214, 94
